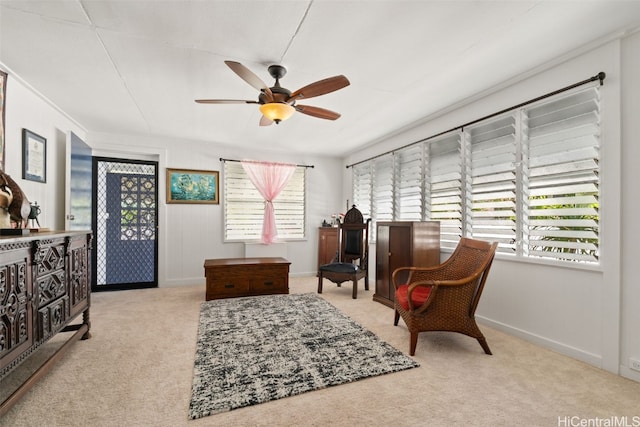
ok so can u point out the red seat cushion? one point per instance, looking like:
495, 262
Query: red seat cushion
418, 297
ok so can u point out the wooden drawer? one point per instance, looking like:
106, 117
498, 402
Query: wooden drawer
53, 317
268, 284
227, 286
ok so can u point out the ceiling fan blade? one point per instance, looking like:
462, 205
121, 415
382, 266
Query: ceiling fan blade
320, 87
248, 76
225, 101
265, 121
317, 112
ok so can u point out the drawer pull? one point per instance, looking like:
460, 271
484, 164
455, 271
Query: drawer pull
268, 283
229, 286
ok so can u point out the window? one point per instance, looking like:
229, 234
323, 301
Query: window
444, 187
363, 188
492, 181
383, 184
527, 179
244, 206
562, 155
409, 177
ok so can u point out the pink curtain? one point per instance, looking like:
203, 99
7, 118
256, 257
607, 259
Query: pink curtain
269, 179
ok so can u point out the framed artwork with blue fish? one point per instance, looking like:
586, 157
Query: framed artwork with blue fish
193, 186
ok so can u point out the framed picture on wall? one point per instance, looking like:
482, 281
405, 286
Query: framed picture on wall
3, 95
34, 157
193, 186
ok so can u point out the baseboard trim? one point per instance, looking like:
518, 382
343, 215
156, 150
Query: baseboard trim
183, 282
576, 353
629, 373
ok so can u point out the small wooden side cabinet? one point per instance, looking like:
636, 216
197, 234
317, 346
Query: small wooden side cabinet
241, 277
403, 244
327, 244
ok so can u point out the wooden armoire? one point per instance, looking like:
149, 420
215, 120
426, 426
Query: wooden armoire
403, 244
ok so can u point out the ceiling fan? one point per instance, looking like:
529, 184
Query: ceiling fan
278, 103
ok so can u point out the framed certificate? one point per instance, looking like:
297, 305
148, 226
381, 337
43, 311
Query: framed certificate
34, 157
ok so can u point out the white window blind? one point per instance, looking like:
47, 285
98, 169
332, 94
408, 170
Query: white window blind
362, 187
409, 181
444, 187
563, 150
492, 168
528, 179
244, 206
383, 185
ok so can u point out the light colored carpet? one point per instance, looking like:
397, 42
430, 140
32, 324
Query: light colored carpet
137, 370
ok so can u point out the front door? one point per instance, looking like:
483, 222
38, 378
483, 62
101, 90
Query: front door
125, 224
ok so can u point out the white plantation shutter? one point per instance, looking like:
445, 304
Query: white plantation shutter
244, 206
362, 188
563, 156
409, 182
492, 168
289, 207
383, 189
527, 179
443, 187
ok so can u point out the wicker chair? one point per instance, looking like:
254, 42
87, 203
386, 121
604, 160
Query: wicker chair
352, 255
445, 297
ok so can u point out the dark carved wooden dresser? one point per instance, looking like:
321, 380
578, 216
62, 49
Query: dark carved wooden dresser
45, 283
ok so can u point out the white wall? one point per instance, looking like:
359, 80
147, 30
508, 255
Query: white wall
189, 234
630, 194
591, 314
27, 109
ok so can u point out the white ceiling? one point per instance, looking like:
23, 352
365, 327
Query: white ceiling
136, 67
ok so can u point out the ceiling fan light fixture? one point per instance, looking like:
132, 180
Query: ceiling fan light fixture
277, 111
278, 103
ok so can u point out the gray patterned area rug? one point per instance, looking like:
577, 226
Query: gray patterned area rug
255, 349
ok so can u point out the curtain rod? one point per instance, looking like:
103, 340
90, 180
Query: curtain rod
600, 76
239, 161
